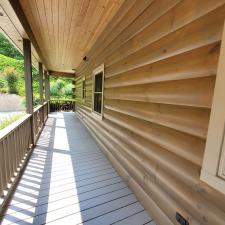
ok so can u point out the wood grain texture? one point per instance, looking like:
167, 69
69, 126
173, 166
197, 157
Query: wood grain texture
159, 82
63, 28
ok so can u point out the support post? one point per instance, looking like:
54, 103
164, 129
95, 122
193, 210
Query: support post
74, 95
47, 89
40, 66
28, 75
28, 82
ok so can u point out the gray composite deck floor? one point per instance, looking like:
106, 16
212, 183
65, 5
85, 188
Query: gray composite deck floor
68, 180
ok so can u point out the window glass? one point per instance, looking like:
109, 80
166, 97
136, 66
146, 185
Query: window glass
98, 82
98, 102
97, 92
83, 89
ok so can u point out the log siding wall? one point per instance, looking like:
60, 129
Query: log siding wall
160, 60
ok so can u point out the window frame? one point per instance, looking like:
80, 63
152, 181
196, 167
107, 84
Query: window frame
214, 156
83, 89
96, 71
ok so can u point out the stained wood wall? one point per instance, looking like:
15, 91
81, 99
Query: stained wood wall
160, 67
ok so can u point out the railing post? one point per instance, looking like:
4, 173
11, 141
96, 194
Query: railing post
28, 82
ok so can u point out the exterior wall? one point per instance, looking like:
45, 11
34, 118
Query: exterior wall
160, 66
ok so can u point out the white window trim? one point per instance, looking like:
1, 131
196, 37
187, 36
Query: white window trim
215, 143
95, 72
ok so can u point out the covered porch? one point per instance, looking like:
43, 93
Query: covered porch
68, 180
149, 86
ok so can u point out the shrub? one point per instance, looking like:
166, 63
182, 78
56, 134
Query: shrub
3, 85
11, 77
10, 62
21, 87
36, 99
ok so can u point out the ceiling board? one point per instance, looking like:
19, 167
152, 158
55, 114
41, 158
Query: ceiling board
66, 30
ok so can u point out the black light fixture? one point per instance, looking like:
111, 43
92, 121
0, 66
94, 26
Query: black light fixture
85, 58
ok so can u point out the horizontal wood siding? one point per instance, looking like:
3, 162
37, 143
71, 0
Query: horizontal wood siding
160, 67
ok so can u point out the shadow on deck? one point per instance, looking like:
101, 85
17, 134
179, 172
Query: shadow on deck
68, 180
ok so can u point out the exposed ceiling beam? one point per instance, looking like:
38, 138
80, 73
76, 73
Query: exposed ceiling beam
23, 20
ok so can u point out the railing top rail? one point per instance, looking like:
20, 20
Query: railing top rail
63, 100
39, 107
9, 129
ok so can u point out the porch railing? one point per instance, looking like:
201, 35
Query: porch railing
16, 142
40, 115
62, 105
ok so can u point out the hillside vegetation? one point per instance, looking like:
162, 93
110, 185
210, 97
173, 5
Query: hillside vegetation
12, 75
7, 49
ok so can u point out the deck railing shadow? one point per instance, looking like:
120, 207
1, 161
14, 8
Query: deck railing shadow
27, 194
68, 180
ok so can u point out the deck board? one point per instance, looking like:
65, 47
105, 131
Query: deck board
68, 180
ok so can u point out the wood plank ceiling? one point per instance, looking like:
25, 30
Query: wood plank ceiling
66, 30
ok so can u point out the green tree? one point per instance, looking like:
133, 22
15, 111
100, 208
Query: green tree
54, 89
68, 90
7, 49
61, 88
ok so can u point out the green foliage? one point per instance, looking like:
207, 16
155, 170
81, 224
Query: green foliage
54, 89
61, 88
11, 58
7, 121
36, 99
60, 83
7, 49
18, 66
35, 77
68, 90
11, 77
10, 62
3, 85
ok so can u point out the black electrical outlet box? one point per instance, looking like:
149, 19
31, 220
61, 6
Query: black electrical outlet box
181, 220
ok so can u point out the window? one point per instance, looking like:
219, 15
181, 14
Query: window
83, 89
98, 84
213, 168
